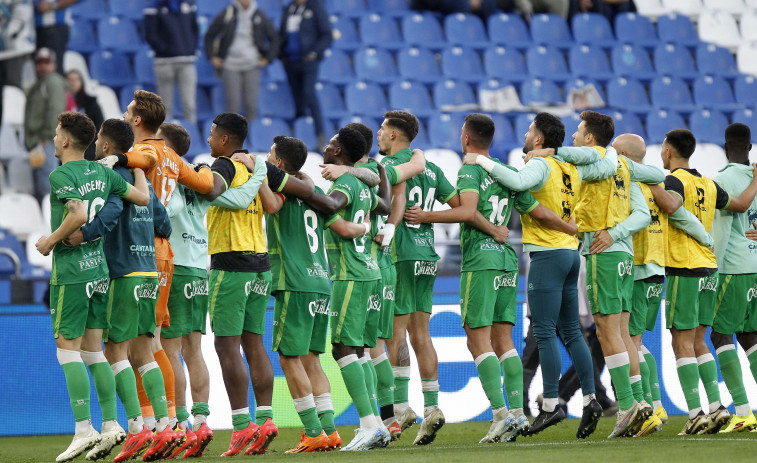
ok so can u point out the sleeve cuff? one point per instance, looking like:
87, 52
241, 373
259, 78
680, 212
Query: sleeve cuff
486, 163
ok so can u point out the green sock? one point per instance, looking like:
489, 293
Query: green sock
181, 413
77, 383
200, 408
370, 383
752, 357
401, 381
105, 385
430, 388
384, 383
708, 371
325, 410
637, 388
490, 375
126, 387
354, 380
241, 418
730, 368
620, 369
152, 380
512, 369
305, 407
262, 414
645, 379
654, 381
688, 376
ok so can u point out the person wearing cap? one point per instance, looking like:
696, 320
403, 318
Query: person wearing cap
44, 101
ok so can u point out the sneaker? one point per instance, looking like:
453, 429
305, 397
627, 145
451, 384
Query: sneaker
407, 418
135, 445
386, 436
365, 439
311, 444
625, 420
109, 438
645, 412
715, 421
395, 430
652, 425
163, 443
694, 425
335, 441
240, 439
430, 425
203, 436
186, 440
521, 426
589, 419
740, 423
503, 422
661, 414
266, 434
80, 444
545, 420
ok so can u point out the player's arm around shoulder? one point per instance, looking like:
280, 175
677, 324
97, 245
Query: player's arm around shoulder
140, 193
742, 202
76, 217
201, 180
272, 202
143, 156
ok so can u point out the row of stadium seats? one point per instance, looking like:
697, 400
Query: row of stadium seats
692, 8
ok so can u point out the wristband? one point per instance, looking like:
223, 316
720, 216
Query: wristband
388, 232
486, 163
367, 226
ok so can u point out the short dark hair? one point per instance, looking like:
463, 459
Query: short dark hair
119, 133
235, 125
403, 121
366, 132
292, 151
480, 128
79, 126
352, 143
600, 125
149, 106
738, 136
683, 141
551, 128
177, 137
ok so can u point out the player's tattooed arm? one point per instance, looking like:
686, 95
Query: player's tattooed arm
75, 218
272, 202
140, 193
332, 172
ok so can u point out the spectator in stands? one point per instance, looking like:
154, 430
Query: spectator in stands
16, 41
171, 31
528, 7
305, 35
608, 8
52, 19
85, 103
45, 100
481, 8
240, 42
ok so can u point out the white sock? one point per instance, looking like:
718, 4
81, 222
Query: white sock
82, 426
714, 406
368, 422
162, 424
549, 404
108, 425
588, 398
657, 404
399, 408
199, 419
150, 422
323, 402
172, 422
743, 409
136, 425
304, 403
427, 410
693, 413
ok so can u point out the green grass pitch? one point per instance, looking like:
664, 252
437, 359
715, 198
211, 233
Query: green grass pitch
459, 442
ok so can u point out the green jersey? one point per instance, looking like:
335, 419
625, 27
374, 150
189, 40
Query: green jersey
351, 259
382, 256
90, 183
495, 202
296, 248
416, 242
734, 251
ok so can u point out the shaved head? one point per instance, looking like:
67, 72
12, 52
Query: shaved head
631, 146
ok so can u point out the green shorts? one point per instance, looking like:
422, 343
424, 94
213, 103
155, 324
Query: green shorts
488, 296
77, 306
300, 322
736, 303
350, 321
187, 302
415, 286
386, 320
690, 301
609, 282
238, 301
647, 295
131, 308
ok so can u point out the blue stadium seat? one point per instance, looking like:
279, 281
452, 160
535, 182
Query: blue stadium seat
198, 144
274, 72
205, 108
336, 68
304, 129
461, 63
82, 37
749, 117
590, 61
453, 95
344, 32
635, 29
263, 130
714, 92
627, 122
423, 30
371, 122
504, 137
275, 100
411, 97
547, 62
581, 82
522, 123
466, 30
88, 9
534, 91
671, 93
380, 31
674, 60
708, 126
678, 29
352, 8
9, 241
126, 94
745, 88
376, 65
331, 100
632, 61
489, 85
397, 8
365, 99
550, 29
570, 121
206, 73
205, 129
660, 122
715, 60
143, 66
504, 62
444, 130
111, 68
419, 64
128, 9
592, 29
628, 95
117, 33
210, 8
218, 98
421, 140
509, 30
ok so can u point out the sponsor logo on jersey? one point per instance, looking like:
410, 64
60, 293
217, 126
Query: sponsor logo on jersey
388, 292
63, 190
319, 306
365, 194
196, 288
162, 278
425, 268
91, 186
194, 239
751, 293
146, 291
91, 260
141, 209
318, 271
98, 286
508, 280
374, 303
708, 283
429, 173
625, 268
654, 291
256, 287
142, 250
370, 264
490, 245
